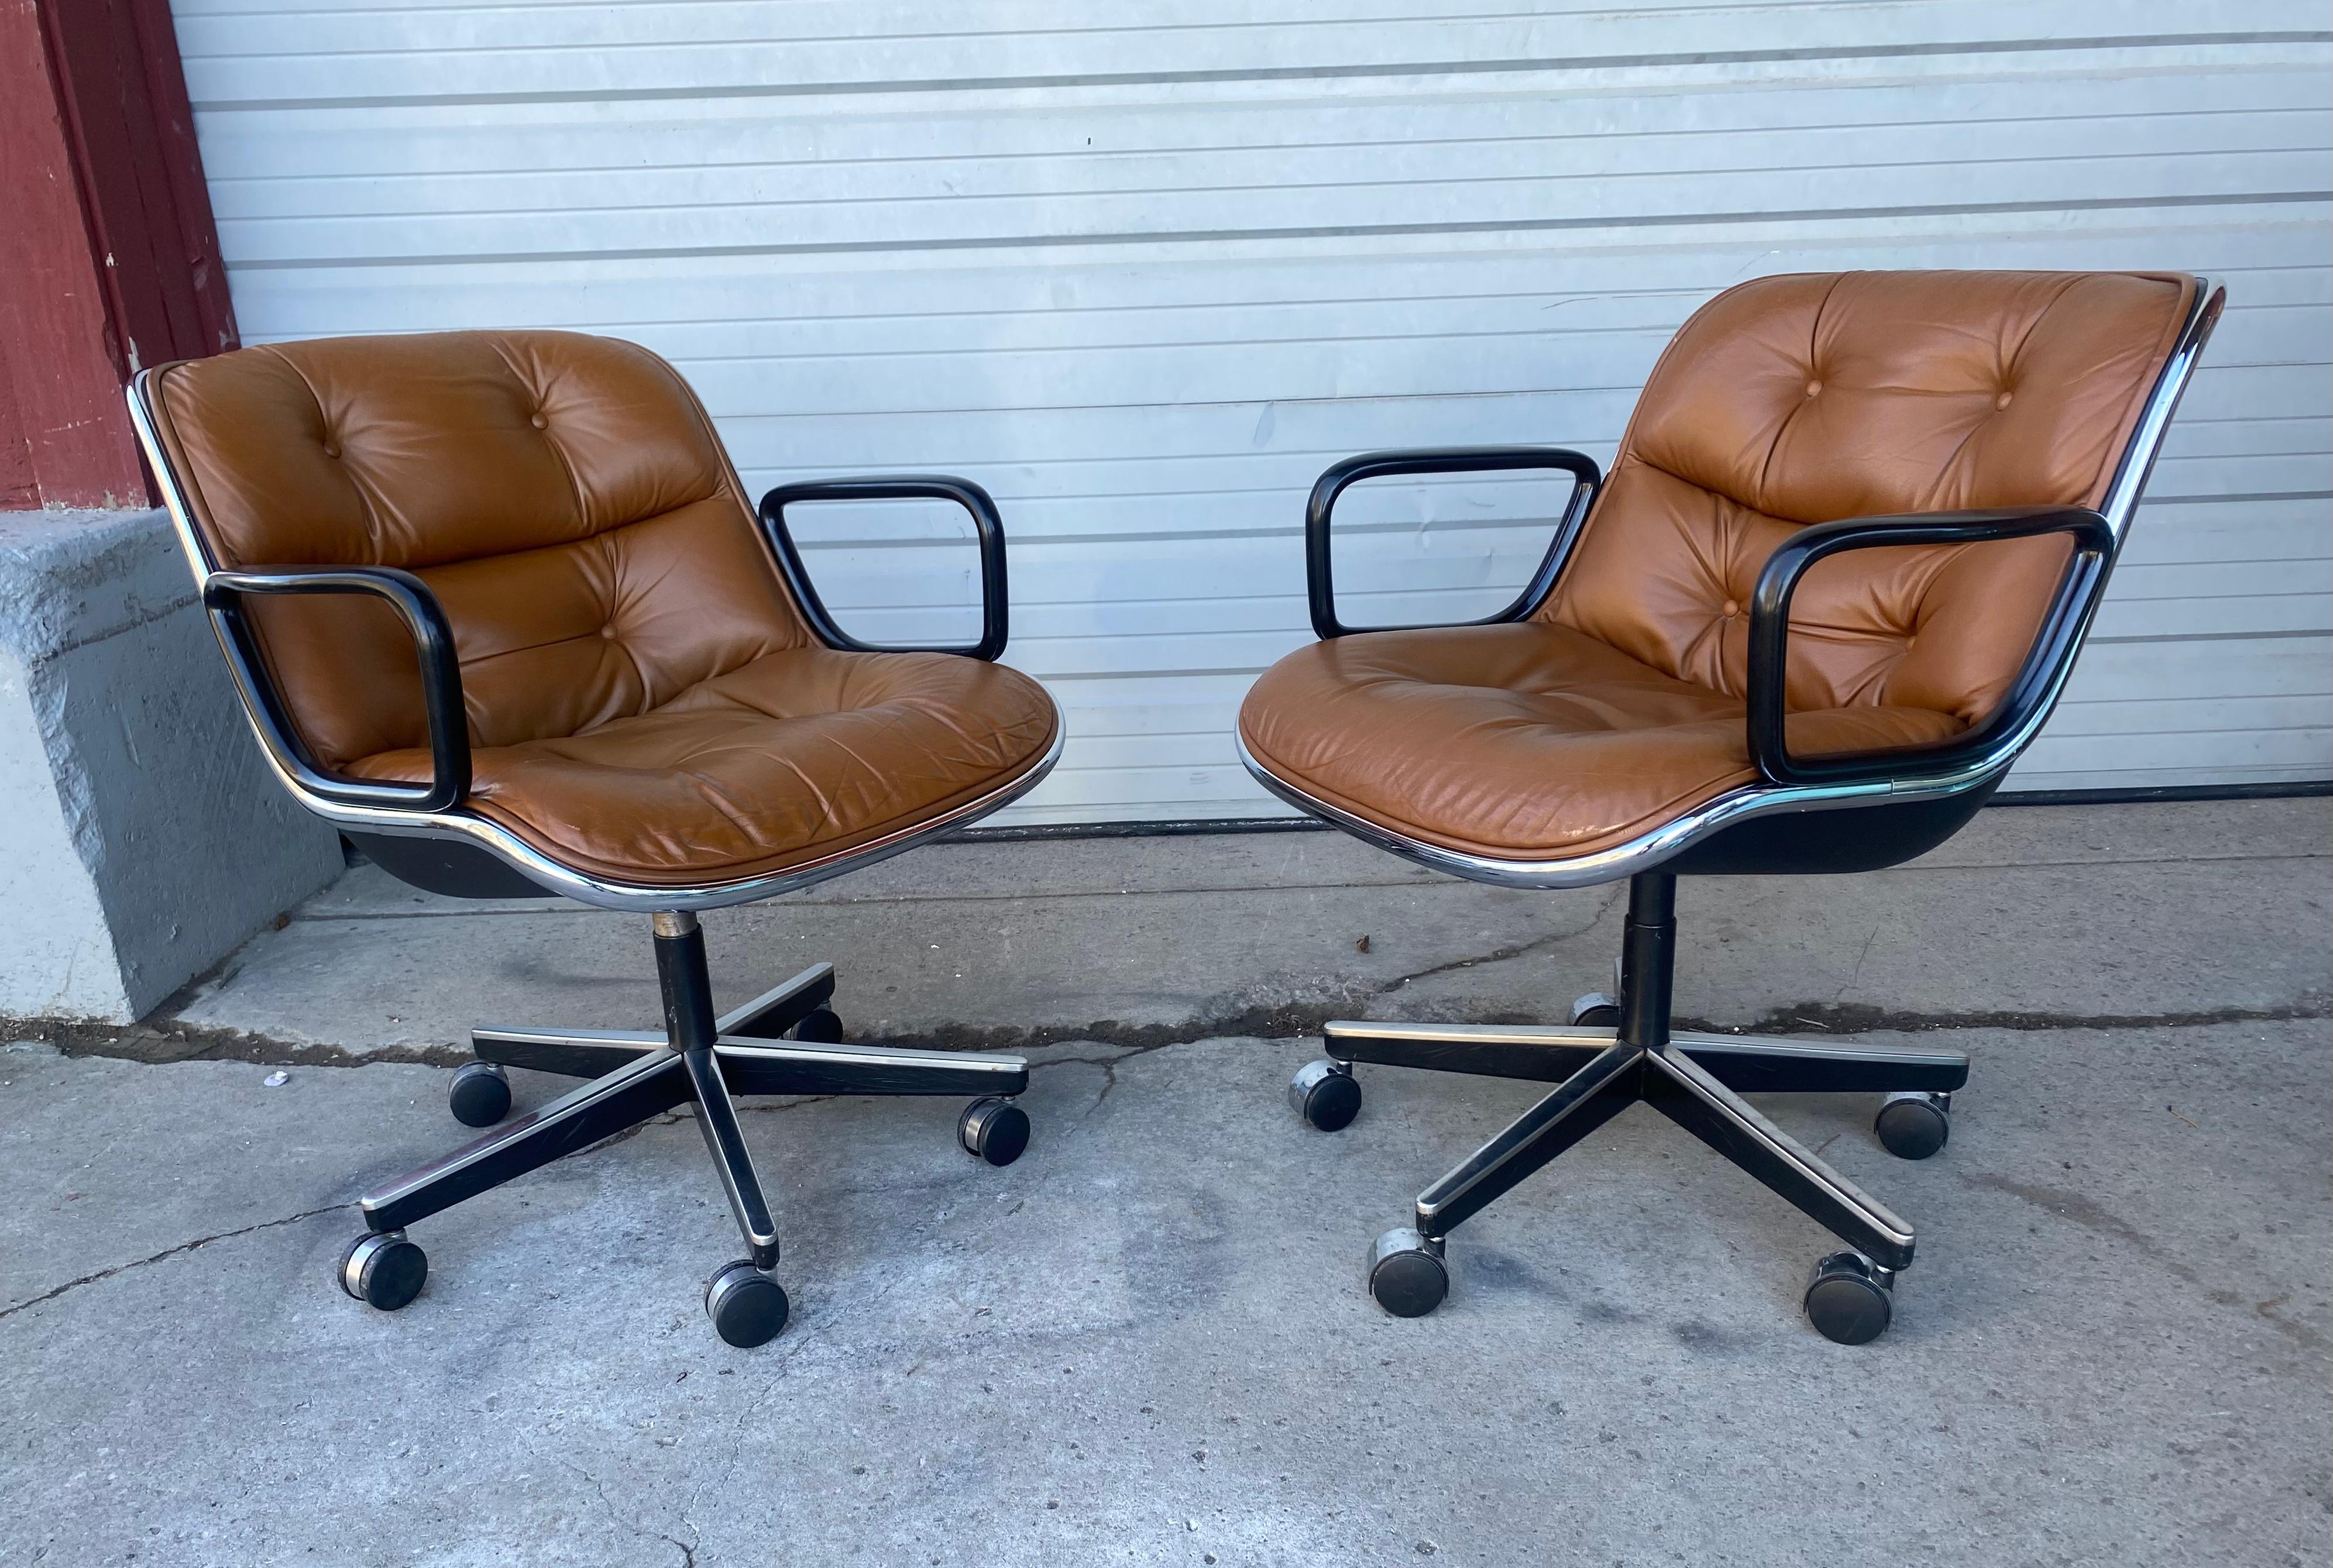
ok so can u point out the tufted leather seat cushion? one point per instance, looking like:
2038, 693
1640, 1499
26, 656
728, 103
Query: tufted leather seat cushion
1783, 402
1528, 740
644, 702
792, 757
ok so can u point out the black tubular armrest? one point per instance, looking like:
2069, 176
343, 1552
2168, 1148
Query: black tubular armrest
985, 523
441, 679
1319, 585
2037, 679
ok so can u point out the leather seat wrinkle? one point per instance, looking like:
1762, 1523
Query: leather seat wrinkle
646, 704
1783, 402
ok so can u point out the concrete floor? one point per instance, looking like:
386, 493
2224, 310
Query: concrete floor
1146, 1342
2032, 915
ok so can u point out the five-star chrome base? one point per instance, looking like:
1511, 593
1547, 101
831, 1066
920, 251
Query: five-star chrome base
698, 1059
1616, 1053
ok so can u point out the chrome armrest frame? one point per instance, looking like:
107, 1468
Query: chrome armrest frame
1320, 581
1960, 774
461, 823
987, 525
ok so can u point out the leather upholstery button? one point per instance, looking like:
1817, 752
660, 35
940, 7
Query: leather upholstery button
1606, 715
2002, 401
658, 756
331, 450
1615, 710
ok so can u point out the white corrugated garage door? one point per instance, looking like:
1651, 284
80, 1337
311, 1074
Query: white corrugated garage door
1143, 270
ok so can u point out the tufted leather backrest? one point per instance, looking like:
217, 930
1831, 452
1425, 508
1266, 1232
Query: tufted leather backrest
565, 496
1812, 397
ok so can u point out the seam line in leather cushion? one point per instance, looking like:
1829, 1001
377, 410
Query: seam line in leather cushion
1525, 740
793, 757
644, 704
1810, 397
562, 494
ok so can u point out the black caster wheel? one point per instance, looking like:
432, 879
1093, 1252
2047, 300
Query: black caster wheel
1596, 1011
383, 1269
824, 1027
994, 1129
1407, 1275
748, 1307
1914, 1125
479, 1095
1325, 1095
1851, 1299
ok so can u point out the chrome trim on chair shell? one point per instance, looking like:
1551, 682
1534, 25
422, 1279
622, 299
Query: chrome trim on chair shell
1639, 854
1647, 851
2146, 443
459, 824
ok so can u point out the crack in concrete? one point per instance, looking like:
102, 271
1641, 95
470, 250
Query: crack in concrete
1860, 1019
600, 1488
183, 1248
169, 1039
2080, 1208
1108, 1066
735, 1449
1856, 973
1604, 906
171, 1042
175, 1039
664, 1119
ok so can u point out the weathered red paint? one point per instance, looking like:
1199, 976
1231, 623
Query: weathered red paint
109, 258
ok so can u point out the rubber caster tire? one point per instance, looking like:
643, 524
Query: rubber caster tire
996, 1129
479, 1095
823, 1027
1850, 1301
1914, 1126
1595, 1011
1325, 1095
746, 1305
382, 1269
1407, 1275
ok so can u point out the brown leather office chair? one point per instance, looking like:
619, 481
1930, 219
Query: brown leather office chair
1683, 689
499, 609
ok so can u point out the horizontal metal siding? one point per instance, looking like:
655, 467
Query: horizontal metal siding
1143, 282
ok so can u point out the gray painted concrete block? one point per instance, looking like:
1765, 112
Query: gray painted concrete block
141, 834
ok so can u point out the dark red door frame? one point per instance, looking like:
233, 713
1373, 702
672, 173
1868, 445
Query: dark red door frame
109, 258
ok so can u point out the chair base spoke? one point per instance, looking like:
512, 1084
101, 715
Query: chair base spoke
702, 1061
1695, 1080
